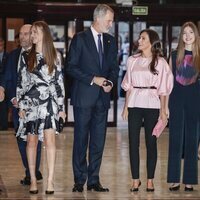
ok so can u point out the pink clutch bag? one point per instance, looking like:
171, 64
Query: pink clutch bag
159, 127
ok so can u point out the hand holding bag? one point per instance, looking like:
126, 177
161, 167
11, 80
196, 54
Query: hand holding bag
159, 127
60, 124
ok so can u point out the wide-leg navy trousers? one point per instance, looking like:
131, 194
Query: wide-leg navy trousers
183, 133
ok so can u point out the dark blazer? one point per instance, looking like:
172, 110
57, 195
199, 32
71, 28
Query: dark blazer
3, 66
83, 64
10, 78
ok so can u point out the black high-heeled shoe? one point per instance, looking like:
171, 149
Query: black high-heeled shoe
174, 187
150, 189
133, 189
49, 192
33, 191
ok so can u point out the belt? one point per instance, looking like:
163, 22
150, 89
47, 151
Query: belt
150, 87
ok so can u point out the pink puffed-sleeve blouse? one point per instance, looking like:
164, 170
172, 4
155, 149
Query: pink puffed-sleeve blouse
139, 75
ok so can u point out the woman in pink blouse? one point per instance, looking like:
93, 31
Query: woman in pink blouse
147, 82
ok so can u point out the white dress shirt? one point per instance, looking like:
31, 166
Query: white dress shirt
95, 35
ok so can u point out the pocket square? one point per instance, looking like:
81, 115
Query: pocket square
159, 127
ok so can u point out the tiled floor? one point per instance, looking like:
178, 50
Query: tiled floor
115, 171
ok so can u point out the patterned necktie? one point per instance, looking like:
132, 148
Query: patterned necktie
100, 50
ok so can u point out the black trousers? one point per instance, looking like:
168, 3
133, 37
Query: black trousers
136, 117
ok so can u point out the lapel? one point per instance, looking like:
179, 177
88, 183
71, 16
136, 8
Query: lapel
92, 46
3, 62
1, 65
4, 57
17, 56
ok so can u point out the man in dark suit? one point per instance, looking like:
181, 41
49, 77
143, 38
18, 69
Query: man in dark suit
92, 62
4, 103
10, 84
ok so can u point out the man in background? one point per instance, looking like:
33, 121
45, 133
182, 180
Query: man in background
4, 103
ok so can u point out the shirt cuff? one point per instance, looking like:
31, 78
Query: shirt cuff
110, 82
92, 82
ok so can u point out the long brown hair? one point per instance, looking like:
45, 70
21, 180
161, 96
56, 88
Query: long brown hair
155, 48
48, 49
195, 47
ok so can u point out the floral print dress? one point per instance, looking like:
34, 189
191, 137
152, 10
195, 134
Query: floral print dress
41, 95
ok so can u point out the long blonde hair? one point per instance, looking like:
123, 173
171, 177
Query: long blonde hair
195, 48
48, 49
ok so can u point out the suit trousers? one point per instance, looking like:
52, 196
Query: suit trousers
4, 115
15, 117
89, 132
183, 134
136, 117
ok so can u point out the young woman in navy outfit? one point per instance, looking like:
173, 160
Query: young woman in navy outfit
183, 104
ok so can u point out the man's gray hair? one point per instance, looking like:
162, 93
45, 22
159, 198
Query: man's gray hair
101, 11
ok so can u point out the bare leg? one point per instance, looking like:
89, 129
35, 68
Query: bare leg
49, 135
31, 150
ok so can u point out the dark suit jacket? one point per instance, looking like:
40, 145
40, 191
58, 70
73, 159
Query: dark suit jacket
10, 78
3, 66
83, 64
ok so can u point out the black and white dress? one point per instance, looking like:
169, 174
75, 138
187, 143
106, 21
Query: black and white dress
41, 95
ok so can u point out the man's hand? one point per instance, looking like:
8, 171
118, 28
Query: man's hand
107, 88
98, 80
2, 94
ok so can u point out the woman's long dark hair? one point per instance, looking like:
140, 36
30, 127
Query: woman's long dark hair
155, 48
48, 49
